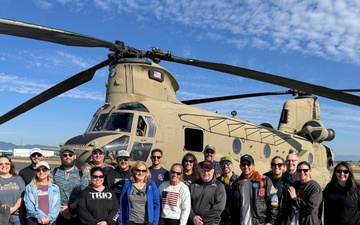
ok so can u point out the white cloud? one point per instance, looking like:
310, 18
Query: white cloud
10, 83
328, 29
43, 4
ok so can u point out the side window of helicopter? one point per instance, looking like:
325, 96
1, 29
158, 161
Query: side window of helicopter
141, 127
194, 139
236, 146
152, 126
100, 122
120, 122
267, 151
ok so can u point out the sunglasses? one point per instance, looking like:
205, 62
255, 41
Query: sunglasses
142, 171
42, 169
156, 157
174, 172
342, 171
4, 164
188, 161
67, 155
98, 153
277, 164
210, 152
245, 164
223, 164
123, 159
36, 155
97, 177
302, 170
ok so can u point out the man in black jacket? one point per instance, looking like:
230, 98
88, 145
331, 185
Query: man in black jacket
254, 197
116, 178
208, 197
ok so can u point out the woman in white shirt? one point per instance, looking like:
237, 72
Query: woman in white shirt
175, 198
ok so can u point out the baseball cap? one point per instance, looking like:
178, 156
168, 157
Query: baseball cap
35, 150
207, 164
98, 148
122, 153
247, 158
42, 163
226, 158
210, 147
67, 148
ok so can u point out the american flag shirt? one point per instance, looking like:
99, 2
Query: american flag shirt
175, 201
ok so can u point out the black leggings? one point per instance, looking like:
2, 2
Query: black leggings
132, 223
170, 221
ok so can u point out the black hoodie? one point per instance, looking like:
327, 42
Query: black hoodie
95, 206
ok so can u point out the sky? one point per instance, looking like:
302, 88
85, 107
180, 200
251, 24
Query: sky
312, 41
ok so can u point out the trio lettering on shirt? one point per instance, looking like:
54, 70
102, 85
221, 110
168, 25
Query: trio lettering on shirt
100, 195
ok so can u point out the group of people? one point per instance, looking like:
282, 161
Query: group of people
191, 192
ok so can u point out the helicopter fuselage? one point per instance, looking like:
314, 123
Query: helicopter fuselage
141, 113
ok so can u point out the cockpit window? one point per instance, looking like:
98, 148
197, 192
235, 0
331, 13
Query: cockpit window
120, 122
152, 126
141, 127
133, 106
100, 122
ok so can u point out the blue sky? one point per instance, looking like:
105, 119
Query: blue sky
312, 42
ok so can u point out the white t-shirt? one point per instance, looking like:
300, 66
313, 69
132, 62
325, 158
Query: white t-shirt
246, 214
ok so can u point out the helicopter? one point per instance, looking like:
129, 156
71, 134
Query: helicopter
141, 111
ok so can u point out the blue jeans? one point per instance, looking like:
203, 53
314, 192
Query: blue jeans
15, 219
33, 221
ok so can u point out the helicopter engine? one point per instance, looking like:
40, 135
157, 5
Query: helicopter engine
316, 132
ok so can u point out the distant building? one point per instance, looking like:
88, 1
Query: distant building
25, 152
6, 152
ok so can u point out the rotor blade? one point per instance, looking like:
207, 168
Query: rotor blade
270, 78
231, 97
348, 90
54, 91
28, 30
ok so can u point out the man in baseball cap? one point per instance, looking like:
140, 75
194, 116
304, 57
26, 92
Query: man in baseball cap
97, 160
116, 178
259, 192
227, 178
209, 154
207, 193
67, 148
27, 173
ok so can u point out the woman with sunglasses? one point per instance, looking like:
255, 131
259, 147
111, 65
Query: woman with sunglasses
12, 188
281, 183
139, 199
342, 197
98, 204
175, 198
42, 197
305, 198
191, 168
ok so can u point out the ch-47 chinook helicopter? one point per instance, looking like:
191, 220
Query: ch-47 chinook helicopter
141, 111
